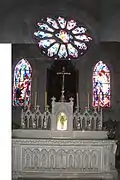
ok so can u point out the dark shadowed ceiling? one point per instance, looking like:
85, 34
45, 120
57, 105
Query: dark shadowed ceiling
105, 12
97, 8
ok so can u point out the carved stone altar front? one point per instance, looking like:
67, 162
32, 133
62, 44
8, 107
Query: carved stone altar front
63, 158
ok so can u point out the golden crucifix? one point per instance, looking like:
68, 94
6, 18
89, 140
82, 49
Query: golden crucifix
63, 73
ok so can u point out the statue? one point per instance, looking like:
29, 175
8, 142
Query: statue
62, 121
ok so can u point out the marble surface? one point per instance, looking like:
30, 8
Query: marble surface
33, 133
63, 158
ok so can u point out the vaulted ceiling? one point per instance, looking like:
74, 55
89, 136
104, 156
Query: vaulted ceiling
17, 17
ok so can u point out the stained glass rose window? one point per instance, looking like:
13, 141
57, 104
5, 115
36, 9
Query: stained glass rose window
62, 38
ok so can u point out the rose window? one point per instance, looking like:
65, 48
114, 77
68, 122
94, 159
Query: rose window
62, 39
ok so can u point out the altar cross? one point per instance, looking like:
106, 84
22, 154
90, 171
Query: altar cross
63, 73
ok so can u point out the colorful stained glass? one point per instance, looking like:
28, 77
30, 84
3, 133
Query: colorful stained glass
79, 30
22, 83
62, 39
101, 85
62, 52
62, 22
72, 51
42, 34
44, 26
80, 45
53, 23
46, 43
64, 36
53, 50
83, 38
71, 24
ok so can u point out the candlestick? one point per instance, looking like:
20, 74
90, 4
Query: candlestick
98, 107
22, 118
99, 101
45, 99
101, 118
24, 100
35, 99
77, 99
29, 103
88, 101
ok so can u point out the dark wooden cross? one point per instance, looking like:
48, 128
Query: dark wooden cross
63, 73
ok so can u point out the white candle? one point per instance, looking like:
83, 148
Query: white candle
88, 100
35, 99
45, 99
101, 117
77, 99
29, 106
99, 102
22, 118
29, 103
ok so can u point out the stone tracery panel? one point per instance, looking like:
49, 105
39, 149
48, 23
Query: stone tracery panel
47, 158
52, 159
78, 159
35, 158
44, 158
27, 159
61, 159
64, 156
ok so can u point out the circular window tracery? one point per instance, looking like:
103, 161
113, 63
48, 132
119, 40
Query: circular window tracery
62, 39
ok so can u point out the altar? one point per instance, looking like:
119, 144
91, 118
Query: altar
62, 143
43, 149
63, 158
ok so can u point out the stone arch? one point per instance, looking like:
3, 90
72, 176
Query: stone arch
36, 158
85, 160
44, 158
70, 159
61, 159
52, 158
78, 159
27, 162
93, 159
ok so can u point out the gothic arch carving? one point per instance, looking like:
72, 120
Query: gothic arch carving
36, 158
27, 156
44, 158
52, 158
61, 159
85, 159
94, 159
78, 159
70, 159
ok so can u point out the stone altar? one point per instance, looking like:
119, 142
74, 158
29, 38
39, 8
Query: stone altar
63, 158
77, 148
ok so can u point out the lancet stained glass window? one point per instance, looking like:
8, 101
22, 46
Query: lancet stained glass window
62, 38
101, 85
22, 83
